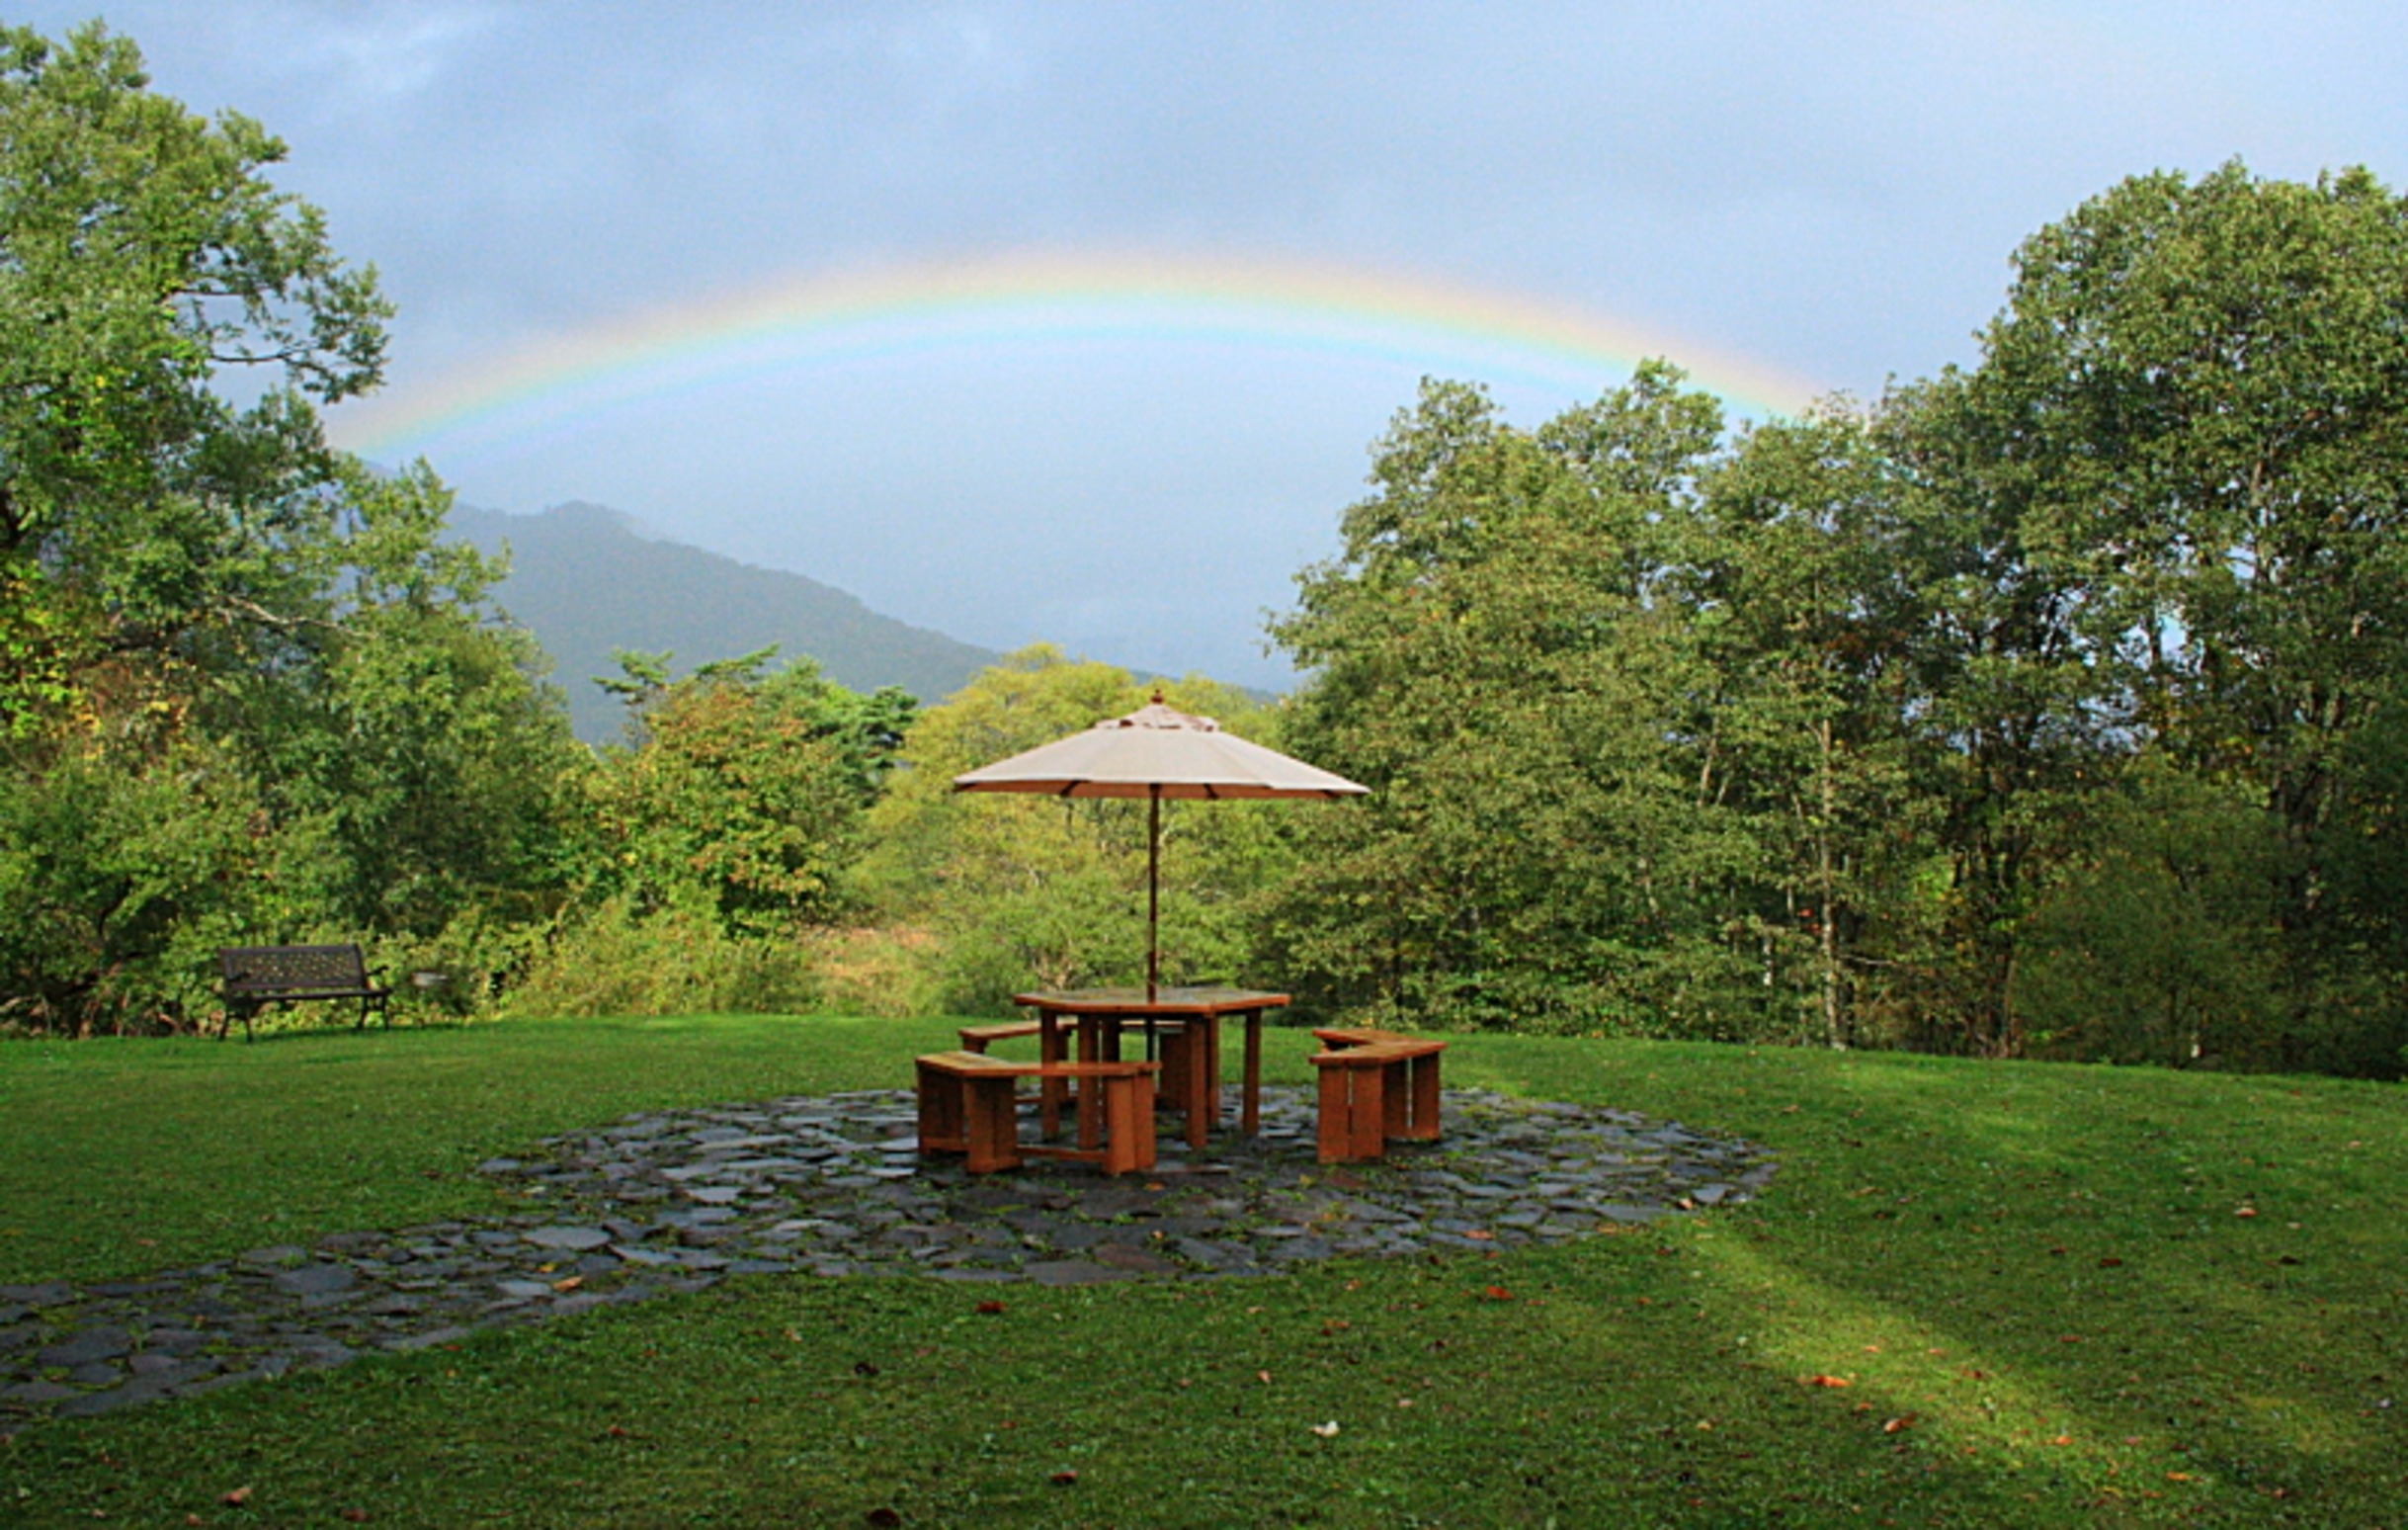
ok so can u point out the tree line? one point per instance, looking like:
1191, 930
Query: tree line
2045, 706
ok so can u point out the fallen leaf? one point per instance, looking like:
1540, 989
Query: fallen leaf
2245, 1211
1335, 1325
1822, 1380
2063, 1440
2110, 1264
1064, 1478
1481, 1236
236, 1498
356, 1516
1264, 1376
2178, 1476
989, 1308
568, 1283
1327, 1431
1902, 1421
1495, 1294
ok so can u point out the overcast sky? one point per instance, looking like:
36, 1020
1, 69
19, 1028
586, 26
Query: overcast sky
1789, 198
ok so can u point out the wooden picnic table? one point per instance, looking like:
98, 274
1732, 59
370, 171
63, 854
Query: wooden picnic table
1102, 1014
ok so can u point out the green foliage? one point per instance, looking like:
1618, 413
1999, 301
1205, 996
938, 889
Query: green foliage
743, 793
142, 250
616, 959
1497, 655
2193, 415
119, 875
254, 697
1835, 731
2159, 943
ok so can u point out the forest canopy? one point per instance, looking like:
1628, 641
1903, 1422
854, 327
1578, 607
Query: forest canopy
2050, 706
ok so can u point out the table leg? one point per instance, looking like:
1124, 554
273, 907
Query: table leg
1050, 1091
1250, 1119
1203, 1080
1099, 1042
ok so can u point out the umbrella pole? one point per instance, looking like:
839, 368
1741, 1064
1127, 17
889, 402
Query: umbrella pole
1153, 889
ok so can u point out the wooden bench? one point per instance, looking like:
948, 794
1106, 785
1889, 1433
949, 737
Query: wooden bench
970, 1104
255, 976
1377, 1087
1175, 1039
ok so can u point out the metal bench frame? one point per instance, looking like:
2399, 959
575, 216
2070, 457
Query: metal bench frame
251, 977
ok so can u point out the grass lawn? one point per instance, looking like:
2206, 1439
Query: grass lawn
1977, 1295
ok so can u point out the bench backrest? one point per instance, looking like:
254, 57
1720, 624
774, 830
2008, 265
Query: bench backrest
287, 968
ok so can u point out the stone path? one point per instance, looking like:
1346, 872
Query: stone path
672, 1201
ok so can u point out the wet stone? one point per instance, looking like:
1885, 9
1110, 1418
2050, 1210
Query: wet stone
316, 1280
87, 1346
573, 1239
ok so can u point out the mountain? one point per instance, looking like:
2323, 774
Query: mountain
584, 582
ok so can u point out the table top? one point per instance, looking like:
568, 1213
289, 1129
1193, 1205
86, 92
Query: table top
1166, 1001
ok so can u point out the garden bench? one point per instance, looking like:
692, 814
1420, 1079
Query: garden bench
970, 1104
1170, 1088
1377, 1087
255, 976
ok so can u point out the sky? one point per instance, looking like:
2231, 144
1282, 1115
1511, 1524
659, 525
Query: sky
1077, 323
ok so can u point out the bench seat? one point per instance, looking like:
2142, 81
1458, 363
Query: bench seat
1377, 1087
970, 1104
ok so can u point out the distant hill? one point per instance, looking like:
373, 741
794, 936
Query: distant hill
584, 582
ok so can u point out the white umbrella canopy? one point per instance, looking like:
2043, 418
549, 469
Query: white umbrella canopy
1155, 754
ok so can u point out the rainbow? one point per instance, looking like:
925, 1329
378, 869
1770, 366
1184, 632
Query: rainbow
1023, 300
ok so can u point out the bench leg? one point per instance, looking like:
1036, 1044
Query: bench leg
1354, 1114
994, 1134
1129, 1140
1396, 1101
1425, 1099
943, 1124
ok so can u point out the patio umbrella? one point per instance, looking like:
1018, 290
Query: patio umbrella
1157, 753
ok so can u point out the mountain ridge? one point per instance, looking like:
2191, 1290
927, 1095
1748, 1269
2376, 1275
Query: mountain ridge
586, 580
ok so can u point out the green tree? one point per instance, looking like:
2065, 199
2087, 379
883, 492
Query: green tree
207, 617
2194, 411
1499, 652
742, 792
1803, 593
141, 251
